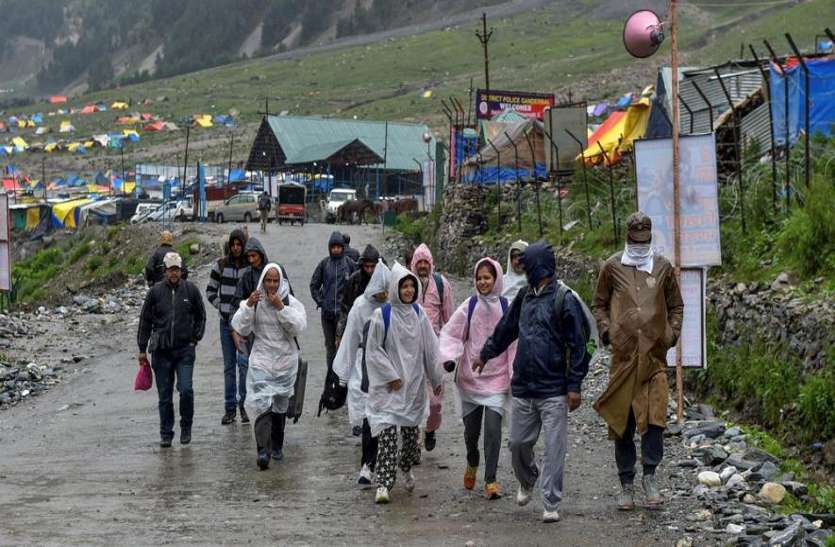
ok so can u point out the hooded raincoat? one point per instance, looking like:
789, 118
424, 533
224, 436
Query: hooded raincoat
642, 314
348, 361
491, 387
438, 312
514, 282
408, 353
273, 362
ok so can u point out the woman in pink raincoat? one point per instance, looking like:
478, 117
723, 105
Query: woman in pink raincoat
483, 396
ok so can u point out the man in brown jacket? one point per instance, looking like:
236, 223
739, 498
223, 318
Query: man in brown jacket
638, 308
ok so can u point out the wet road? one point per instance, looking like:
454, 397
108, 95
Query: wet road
93, 473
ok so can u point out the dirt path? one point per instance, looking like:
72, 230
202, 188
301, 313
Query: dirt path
81, 464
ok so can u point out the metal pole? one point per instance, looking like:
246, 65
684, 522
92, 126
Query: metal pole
518, 183
498, 183
611, 193
484, 38
767, 85
185, 162
555, 152
806, 153
231, 147
676, 199
585, 176
43, 177
737, 149
787, 144
689, 112
707, 103
536, 183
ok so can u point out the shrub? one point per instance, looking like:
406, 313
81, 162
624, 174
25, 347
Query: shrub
807, 241
80, 251
94, 263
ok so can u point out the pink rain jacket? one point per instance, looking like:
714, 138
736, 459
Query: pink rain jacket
438, 312
495, 378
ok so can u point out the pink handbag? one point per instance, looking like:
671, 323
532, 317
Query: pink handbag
144, 377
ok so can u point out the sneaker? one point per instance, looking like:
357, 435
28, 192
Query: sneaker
523, 496
244, 416
229, 417
165, 443
429, 441
277, 454
382, 495
185, 435
409, 482
550, 516
653, 497
491, 491
366, 478
626, 498
263, 459
469, 477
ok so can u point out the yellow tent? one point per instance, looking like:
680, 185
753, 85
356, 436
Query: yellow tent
30, 123
128, 187
119, 105
427, 94
73, 146
19, 143
617, 133
33, 218
204, 120
51, 147
89, 144
129, 132
21, 124
63, 212
66, 127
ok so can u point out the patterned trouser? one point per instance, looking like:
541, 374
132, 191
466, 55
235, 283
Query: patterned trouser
387, 454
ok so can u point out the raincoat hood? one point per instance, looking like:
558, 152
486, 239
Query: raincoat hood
240, 236
539, 262
520, 246
498, 287
379, 281
252, 244
283, 284
336, 239
423, 253
398, 273
370, 255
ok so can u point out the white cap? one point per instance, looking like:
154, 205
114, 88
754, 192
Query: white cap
172, 260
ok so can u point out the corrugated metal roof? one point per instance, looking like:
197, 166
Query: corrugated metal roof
756, 127
298, 135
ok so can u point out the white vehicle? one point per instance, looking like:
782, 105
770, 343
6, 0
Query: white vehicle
142, 211
337, 197
184, 210
167, 210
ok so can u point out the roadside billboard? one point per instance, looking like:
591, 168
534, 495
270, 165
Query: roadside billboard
490, 103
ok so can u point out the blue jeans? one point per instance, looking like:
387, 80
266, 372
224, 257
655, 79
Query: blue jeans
234, 392
167, 365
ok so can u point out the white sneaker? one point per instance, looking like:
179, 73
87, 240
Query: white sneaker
523, 496
366, 478
382, 495
409, 482
550, 516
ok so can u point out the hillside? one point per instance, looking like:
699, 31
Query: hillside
561, 46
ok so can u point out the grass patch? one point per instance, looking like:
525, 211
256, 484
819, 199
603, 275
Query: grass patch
94, 263
80, 251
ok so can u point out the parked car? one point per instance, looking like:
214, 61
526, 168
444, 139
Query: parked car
336, 198
184, 210
240, 208
142, 211
166, 210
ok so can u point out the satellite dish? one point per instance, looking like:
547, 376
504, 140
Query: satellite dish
642, 33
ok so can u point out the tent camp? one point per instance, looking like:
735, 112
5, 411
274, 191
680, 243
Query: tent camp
821, 90
65, 214
487, 167
620, 130
119, 105
203, 120
66, 127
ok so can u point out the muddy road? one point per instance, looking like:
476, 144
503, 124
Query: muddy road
81, 464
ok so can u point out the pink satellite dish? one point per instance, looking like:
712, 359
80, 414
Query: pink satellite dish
642, 33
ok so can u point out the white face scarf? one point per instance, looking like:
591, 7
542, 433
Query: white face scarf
639, 255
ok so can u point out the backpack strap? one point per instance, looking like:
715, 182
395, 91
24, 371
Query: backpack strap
439, 284
386, 311
470, 309
503, 301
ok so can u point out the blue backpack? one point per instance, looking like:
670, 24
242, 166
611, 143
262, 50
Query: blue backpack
471, 308
386, 310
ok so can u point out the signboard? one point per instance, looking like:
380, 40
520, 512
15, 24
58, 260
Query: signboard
5, 245
693, 338
557, 120
531, 105
699, 197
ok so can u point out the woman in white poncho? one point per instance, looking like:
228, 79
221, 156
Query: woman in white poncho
275, 318
348, 364
402, 356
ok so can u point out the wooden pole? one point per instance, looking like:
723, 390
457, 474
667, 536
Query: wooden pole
676, 198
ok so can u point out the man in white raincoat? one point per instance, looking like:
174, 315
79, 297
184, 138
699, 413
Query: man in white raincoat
514, 277
348, 364
275, 318
402, 357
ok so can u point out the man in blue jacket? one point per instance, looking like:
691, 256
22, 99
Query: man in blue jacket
550, 365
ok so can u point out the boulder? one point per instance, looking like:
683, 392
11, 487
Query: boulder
772, 492
710, 429
711, 479
727, 473
736, 481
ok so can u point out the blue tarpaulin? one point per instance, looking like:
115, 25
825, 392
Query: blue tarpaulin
486, 175
237, 175
466, 145
821, 99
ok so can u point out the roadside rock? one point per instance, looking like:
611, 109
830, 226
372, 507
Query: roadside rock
772, 492
710, 478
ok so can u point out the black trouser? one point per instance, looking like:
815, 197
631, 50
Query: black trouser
652, 450
492, 439
329, 321
369, 446
269, 430
168, 365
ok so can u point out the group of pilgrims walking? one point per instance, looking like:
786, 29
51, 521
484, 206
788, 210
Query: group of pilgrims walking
516, 349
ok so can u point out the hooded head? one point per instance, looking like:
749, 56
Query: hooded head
240, 237
166, 238
516, 247
422, 263
638, 228
254, 246
336, 245
283, 285
379, 282
498, 284
539, 262
398, 275
369, 258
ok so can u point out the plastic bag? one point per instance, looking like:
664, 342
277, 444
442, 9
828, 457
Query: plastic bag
144, 377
